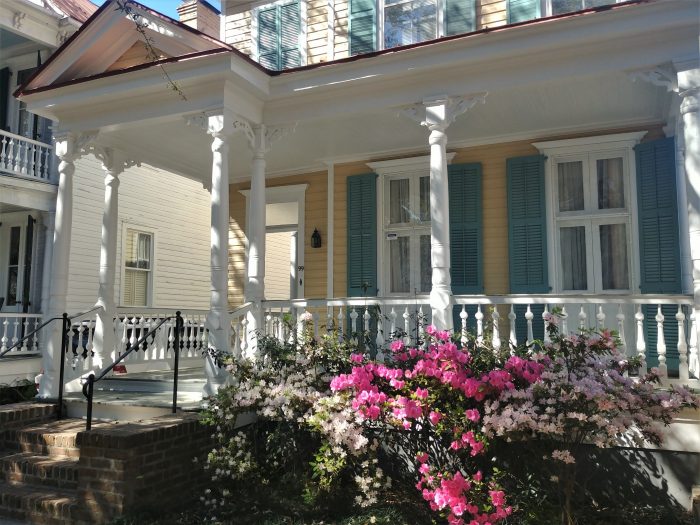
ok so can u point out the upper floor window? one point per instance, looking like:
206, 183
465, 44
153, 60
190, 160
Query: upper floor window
522, 10
391, 23
279, 35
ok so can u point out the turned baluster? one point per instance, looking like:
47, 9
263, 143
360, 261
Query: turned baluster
693, 362
512, 337
529, 316
582, 319
463, 318
496, 339
479, 316
641, 345
600, 317
621, 329
661, 342
392, 323
683, 372
545, 315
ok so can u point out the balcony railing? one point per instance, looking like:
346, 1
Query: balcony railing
642, 322
25, 158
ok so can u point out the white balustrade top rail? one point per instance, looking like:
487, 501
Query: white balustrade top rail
25, 157
14, 326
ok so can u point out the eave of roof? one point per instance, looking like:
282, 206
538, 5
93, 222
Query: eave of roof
79, 10
226, 48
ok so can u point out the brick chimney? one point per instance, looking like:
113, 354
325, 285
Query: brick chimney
200, 15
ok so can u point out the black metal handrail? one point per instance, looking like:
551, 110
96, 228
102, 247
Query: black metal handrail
89, 385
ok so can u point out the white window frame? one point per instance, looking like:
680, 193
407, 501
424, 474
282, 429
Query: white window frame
546, 7
441, 4
391, 170
590, 149
303, 40
150, 303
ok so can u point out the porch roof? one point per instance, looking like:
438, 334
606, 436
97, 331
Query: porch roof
546, 78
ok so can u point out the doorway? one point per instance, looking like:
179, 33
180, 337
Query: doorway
16, 254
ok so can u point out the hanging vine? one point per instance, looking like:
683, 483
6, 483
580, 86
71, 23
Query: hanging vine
141, 24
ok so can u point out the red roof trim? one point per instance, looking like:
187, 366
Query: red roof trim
105, 74
222, 45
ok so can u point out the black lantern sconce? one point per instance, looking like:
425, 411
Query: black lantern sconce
315, 239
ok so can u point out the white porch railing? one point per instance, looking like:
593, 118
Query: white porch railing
508, 320
25, 157
14, 326
130, 325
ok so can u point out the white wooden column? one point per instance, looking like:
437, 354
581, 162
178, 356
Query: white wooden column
257, 224
437, 114
113, 164
689, 91
67, 150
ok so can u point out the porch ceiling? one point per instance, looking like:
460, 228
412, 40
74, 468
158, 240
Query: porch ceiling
602, 102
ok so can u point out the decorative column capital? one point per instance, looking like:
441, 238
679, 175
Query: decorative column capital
437, 113
690, 100
71, 146
114, 162
264, 136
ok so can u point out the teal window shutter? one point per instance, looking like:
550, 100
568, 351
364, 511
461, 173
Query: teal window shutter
362, 26
527, 226
659, 243
268, 37
290, 29
464, 182
523, 10
460, 16
362, 235
657, 204
279, 27
4, 96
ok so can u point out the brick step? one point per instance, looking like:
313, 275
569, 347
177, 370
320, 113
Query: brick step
27, 468
40, 506
19, 414
54, 439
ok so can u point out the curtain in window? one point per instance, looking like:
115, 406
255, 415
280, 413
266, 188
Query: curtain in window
400, 261
426, 269
570, 186
399, 201
573, 258
611, 190
409, 22
613, 255
138, 265
425, 199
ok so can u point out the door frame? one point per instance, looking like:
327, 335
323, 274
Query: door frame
7, 222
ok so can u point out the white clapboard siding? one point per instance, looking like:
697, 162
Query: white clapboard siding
174, 208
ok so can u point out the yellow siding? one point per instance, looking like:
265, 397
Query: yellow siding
316, 31
237, 31
491, 13
341, 29
315, 216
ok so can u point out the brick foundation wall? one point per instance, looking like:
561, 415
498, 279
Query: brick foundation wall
139, 465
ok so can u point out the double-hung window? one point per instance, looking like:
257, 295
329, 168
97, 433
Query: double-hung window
591, 209
522, 10
279, 35
138, 268
404, 22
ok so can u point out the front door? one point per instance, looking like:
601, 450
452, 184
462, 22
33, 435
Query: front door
16, 246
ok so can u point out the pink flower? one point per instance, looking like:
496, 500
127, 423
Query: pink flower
356, 358
497, 497
472, 414
435, 417
421, 393
422, 457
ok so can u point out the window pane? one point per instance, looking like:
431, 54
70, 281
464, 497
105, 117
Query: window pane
144, 251
613, 255
400, 265
409, 22
426, 269
611, 187
425, 199
567, 6
13, 273
135, 287
573, 258
570, 184
14, 245
138, 250
399, 201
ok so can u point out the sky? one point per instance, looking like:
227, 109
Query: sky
168, 7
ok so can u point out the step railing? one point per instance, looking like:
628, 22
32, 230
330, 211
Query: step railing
25, 157
640, 320
175, 332
13, 329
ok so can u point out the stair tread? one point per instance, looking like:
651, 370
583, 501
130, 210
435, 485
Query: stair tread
34, 492
10, 456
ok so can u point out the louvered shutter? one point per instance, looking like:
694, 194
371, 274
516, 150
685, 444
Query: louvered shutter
465, 228
268, 38
659, 243
459, 16
290, 29
527, 238
4, 96
362, 235
523, 10
527, 228
362, 26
